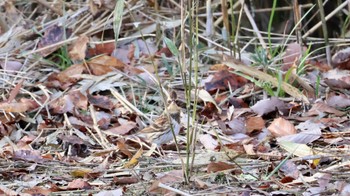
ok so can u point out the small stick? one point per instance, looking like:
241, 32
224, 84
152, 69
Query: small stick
161, 185
345, 3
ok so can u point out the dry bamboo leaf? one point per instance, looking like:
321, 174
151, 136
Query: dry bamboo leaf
291, 90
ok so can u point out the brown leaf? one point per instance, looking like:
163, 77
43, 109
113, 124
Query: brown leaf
68, 103
200, 184
310, 132
281, 127
218, 67
23, 106
214, 167
254, 125
209, 110
104, 48
37, 190
122, 147
78, 184
14, 92
100, 101
169, 177
78, 51
224, 80
238, 103
125, 180
104, 64
65, 77
287, 179
122, 129
164, 51
321, 107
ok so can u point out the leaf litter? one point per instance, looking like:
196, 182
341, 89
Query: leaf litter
71, 130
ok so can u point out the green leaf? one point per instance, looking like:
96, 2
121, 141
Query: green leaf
170, 44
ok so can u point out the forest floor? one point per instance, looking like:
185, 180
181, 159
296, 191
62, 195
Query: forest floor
260, 112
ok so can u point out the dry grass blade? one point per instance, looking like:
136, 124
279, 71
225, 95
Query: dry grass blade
118, 13
127, 104
103, 140
289, 89
252, 22
330, 15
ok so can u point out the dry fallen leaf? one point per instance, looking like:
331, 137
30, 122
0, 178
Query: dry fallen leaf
309, 132
254, 125
23, 105
208, 141
134, 160
52, 35
66, 76
224, 80
267, 106
78, 51
293, 52
281, 127
104, 64
168, 177
338, 101
299, 150
251, 71
125, 180
11, 66
321, 107
123, 129
78, 184
289, 168
219, 166
80, 172
342, 57
28, 155
206, 97
338, 79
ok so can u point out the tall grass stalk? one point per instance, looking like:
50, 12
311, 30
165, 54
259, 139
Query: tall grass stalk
233, 28
325, 31
176, 53
182, 60
193, 132
188, 89
270, 23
